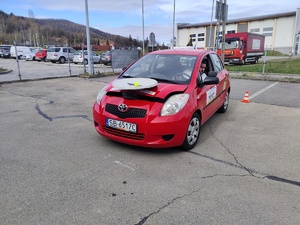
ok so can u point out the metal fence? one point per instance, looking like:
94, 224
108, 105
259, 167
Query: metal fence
17, 69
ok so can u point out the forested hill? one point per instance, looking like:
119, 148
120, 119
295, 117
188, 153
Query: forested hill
31, 31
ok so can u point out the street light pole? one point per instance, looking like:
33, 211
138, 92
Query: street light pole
173, 26
88, 38
143, 27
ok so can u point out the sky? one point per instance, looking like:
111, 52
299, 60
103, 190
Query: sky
139, 18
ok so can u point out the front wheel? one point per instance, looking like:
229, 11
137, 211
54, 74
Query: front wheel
192, 133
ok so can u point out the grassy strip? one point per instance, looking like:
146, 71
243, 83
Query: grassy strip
282, 66
2, 70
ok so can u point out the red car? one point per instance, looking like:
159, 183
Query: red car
161, 100
41, 55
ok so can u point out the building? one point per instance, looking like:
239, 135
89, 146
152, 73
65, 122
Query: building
282, 31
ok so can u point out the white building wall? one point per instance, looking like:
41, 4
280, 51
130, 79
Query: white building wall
184, 37
231, 27
279, 33
284, 34
265, 27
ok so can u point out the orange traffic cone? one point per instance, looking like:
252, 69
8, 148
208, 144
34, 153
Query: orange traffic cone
246, 97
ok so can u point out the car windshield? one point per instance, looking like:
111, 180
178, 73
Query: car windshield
229, 44
163, 68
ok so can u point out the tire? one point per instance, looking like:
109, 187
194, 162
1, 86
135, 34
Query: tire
224, 107
192, 133
62, 60
85, 62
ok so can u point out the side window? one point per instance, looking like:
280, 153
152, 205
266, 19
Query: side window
217, 63
209, 64
65, 50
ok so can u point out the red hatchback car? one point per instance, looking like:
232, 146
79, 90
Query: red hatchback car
41, 55
161, 100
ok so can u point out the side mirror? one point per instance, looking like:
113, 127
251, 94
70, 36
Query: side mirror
208, 80
211, 80
212, 74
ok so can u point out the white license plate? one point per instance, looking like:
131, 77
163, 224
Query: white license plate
121, 125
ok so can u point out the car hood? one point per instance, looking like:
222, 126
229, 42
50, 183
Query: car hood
161, 90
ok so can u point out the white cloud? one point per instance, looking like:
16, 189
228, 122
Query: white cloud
125, 17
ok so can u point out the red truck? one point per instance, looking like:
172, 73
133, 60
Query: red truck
241, 48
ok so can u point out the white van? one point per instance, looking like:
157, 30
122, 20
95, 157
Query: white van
21, 50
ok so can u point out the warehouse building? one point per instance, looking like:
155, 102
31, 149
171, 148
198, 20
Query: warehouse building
281, 31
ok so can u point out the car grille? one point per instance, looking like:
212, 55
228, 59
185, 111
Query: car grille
123, 134
130, 113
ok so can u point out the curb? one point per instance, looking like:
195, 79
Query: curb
6, 72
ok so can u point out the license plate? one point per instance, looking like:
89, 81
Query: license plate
121, 125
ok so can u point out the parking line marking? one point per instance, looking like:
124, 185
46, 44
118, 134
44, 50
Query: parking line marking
262, 90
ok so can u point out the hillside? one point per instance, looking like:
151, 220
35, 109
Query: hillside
40, 32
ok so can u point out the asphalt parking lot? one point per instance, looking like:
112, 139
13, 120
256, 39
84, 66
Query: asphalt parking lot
56, 169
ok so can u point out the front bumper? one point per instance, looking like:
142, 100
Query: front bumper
152, 132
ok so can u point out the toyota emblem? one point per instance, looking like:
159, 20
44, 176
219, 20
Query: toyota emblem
122, 107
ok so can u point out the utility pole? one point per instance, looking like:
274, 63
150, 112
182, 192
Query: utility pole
88, 38
224, 13
143, 27
210, 29
173, 26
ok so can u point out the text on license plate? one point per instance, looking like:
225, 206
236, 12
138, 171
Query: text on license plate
121, 125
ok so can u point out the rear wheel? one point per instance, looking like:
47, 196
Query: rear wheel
85, 62
62, 60
224, 107
192, 133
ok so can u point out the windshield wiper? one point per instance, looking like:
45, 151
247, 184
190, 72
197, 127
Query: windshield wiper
163, 80
127, 76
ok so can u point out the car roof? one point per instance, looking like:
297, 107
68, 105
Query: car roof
183, 51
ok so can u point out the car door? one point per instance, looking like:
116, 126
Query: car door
223, 77
208, 95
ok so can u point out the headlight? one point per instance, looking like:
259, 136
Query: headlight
174, 104
100, 95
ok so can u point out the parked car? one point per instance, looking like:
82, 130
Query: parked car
80, 58
21, 51
106, 57
60, 54
162, 100
5, 51
30, 56
41, 55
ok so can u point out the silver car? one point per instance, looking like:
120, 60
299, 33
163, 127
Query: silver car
60, 54
83, 58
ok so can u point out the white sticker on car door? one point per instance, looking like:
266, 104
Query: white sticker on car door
211, 95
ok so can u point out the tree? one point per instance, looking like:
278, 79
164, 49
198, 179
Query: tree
190, 42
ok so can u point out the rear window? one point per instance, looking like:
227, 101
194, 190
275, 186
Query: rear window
53, 49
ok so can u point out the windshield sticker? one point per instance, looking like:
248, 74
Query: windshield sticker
211, 95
